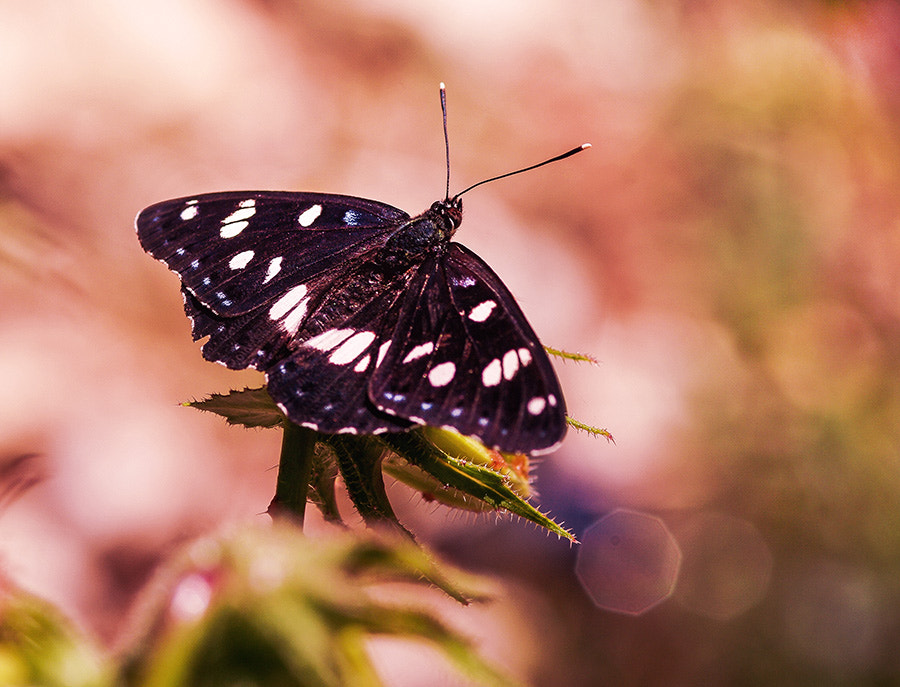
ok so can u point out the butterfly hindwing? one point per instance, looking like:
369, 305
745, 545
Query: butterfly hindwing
237, 250
322, 382
464, 356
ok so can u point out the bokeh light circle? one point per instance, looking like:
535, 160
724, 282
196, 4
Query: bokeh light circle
628, 562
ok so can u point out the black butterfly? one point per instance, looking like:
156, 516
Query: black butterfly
364, 319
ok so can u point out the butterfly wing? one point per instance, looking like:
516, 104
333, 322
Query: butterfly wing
318, 381
272, 277
464, 356
268, 333
322, 382
238, 250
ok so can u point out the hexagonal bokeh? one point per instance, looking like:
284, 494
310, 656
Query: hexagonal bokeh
628, 562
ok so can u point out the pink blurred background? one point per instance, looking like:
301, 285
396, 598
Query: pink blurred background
729, 250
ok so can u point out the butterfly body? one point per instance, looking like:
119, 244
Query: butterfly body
430, 231
364, 319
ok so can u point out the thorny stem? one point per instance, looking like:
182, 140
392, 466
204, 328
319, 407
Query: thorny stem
590, 429
294, 468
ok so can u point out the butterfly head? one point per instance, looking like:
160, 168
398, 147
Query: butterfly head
449, 213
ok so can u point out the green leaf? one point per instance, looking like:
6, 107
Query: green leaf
249, 407
469, 474
513, 467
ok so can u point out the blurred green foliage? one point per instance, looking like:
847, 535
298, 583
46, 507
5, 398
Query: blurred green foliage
268, 607
260, 606
40, 647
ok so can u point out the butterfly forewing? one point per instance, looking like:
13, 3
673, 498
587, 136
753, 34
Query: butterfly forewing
267, 334
464, 356
237, 250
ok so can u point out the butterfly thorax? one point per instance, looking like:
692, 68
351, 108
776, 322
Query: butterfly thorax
427, 232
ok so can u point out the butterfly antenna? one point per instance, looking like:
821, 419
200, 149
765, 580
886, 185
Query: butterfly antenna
446, 137
570, 153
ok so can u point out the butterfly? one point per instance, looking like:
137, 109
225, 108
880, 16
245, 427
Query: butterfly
364, 319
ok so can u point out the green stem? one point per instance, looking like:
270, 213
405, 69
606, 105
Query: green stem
298, 446
359, 460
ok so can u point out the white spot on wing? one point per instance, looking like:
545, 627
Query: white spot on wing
350, 350
295, 317
492, 373
419, 351
442, 375
240, 261
551, 399
536, 405
273, 269
229, 231
287, 302
351, 218
329, 339
245, 210
190, 211
510, 364
482, 311
382, 351
524, 356
308, 216
363, 364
